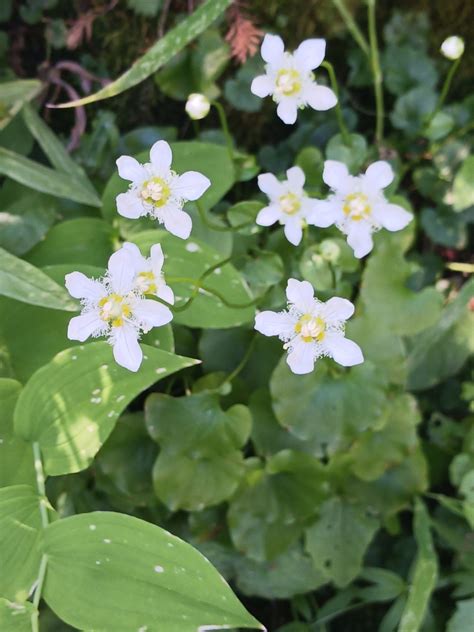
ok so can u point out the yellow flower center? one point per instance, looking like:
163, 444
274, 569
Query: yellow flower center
114, 309
290, 203
146, 282
311, 328
356, 206
288, 82
155, 191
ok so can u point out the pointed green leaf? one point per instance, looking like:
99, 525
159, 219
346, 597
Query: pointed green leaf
70, 406
161, 52
14, 95
132, 575
24, 282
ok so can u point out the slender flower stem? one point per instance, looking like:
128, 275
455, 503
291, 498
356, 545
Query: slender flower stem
444, 90
352, 27
340, 119
43, 502
243, 362
225, 128
376, 73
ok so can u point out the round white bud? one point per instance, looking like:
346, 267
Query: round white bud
197, 106
453, 47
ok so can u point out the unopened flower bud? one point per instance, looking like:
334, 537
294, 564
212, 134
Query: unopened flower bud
197, 106
453, 47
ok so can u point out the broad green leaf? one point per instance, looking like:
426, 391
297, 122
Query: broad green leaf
26, 327
16, 617
311, 160
463, 186
337, 541
200, 462
83, 240
406, 67
54, 149
16, 457
71, 405
386, 298
124, 463
425, 573
375, 451
185, 262
24, 222
444, 227
161, 52
330, 405
353, 153
290, 574
37, 176
463, 617
275, 502
20, 536
439, 352
209, 159
133, 575
412, 109
466, 489
263, 271
23, 282
14, 95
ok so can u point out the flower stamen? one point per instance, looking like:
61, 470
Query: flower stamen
311, 328
155, 192
356, 206
288, 82
114, 309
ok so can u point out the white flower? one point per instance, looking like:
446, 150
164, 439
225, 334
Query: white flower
113, 306
158, 191
149, 278
197, 106
452, 47
289, 204
289, 78
358, 206
311, 329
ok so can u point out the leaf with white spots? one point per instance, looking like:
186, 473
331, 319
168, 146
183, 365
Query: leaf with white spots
108, 571
70, 406
185, 262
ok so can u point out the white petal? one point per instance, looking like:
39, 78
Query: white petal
391, 216
130, 205
343, 351
337, 309
191, 185
165, 293
127, 351
287, 110
161, 156
121, 271
335, 173
300, 294
83, 326
272, 48
293, 231
310, 54
323, 213
261, 86
296, 177
320, 97
302, 357
80, 286
133, 249
275, 323
379, 174
157, 258
268, 184
268, 215
130, 169
359, 239
177, 222
151, 313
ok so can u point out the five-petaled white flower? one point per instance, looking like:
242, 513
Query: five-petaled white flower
311, 329
158, 191
115, 307
289, 204
289, 78
149, 278
358, 206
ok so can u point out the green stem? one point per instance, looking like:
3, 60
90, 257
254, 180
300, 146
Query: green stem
340, 119
225, 128
444, 91
376, 73
43, 504
243, 362
352, 27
